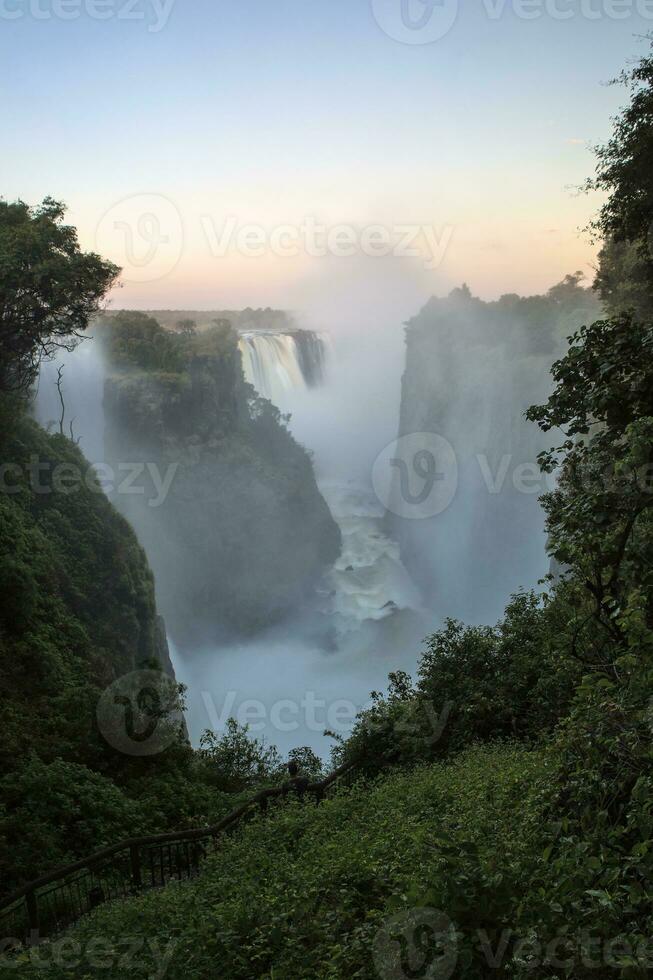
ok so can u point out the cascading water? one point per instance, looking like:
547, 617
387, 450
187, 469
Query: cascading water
277, 363
368, 582
300, 676
365, 611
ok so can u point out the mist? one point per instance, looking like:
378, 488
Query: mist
369, 596
396, 578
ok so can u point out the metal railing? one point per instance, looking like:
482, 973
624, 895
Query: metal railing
45, 907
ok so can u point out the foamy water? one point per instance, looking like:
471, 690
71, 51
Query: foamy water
288, 683
368, 581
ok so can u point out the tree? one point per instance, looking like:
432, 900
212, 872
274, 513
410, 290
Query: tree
623, 171
236, 760
309, 763
599, 516
49, 288
187, 328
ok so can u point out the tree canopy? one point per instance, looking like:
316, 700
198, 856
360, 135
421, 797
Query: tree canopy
624, 223
49, 288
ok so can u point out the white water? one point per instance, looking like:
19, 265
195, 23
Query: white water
271, 363
367, 600
368, 581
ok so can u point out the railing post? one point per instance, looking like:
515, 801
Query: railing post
135, 862
32, 913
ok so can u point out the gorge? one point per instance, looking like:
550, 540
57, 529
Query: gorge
278, 574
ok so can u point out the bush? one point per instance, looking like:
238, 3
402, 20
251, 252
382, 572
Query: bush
475, 683
310, 890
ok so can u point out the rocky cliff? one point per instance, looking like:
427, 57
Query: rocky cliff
235, 528
472, 369
77, 606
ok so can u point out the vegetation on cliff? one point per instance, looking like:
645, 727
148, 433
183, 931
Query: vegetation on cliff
77, 603
247, 533
503, 824
515, 834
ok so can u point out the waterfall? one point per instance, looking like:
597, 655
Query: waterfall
276, 363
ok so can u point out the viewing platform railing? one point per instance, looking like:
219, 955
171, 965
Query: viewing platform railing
50, 904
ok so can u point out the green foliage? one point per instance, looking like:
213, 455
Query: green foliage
78, 603
599, 517
474, 683
60, 810
136, 340
528, 326
623, 279
49, 288
235, 761
307, 891
186, 327
625, 220
599, 865
76, 611
624, 163
309, 763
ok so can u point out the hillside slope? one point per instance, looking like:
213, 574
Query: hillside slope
77, 611
320, 891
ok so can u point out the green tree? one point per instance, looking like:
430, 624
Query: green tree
49, 288
309, 763
599, 516
237, 761
187, 327
625, 221
599, 863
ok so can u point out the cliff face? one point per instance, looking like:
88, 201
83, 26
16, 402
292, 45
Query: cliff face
77, 603
240, 534
472, 369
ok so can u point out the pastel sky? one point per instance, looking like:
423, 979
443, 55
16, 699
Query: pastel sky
163, 127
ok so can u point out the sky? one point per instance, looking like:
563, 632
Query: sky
354, 155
